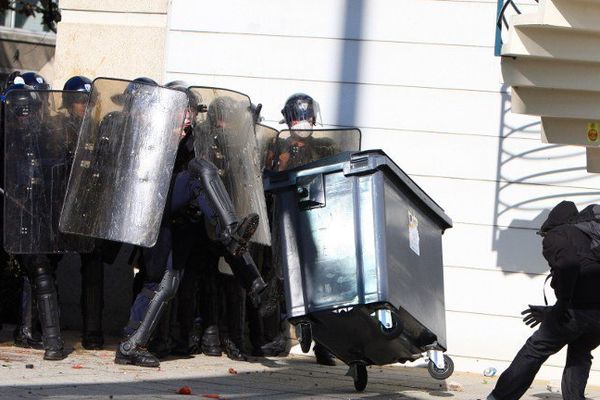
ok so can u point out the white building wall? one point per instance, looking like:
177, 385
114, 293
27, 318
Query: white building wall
420, 80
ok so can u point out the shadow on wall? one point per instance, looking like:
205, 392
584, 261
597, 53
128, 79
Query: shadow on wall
531, 178
350, 63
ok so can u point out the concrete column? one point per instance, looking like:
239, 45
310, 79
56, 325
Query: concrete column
111, 38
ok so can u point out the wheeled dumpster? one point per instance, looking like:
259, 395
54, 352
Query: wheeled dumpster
360, 245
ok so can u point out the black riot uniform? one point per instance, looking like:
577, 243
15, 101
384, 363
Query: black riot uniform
573, 321
201, 187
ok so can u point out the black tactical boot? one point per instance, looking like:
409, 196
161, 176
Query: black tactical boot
136, 356
25, 338
54, 350
323, 356
233, 351
92, 340
211, 343
254, 294
279, 347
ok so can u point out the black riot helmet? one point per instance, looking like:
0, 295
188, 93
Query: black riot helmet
76, 83
184, 87
36, 81
137, 87
140, 85
222, 110
300, 107
193, 102
135, 84
22, 100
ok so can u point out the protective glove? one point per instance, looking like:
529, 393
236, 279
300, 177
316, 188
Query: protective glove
534, 315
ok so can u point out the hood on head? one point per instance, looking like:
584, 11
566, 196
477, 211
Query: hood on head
561, 214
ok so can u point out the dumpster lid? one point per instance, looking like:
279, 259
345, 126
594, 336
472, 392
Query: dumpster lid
366, 161
355, 163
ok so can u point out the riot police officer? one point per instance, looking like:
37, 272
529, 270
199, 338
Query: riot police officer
300, 113
92, 263
26, 108
201, 186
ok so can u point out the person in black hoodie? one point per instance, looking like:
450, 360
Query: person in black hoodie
575, 318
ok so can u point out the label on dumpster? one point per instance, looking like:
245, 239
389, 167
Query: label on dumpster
592, 132
413, 232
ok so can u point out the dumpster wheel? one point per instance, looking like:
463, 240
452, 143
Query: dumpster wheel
441, 373
360, 376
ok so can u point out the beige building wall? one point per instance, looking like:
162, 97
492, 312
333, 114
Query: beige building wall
111, 38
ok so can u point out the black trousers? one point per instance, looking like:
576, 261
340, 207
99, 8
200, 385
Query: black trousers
581, 335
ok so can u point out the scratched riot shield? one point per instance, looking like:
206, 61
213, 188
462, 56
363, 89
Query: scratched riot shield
266, 140
41, 129
123, 162
224, 134
297, 147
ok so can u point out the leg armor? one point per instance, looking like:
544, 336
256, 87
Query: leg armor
166, 291
92, 300
47, 300
247, 274
214, 201
27, 332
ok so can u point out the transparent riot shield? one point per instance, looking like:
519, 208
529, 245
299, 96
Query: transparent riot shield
266, 140
299, 147
224, 134
41, 129
123, 161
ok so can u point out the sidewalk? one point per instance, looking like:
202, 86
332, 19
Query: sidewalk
93, 375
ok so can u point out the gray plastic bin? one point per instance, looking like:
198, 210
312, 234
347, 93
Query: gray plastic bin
354, 235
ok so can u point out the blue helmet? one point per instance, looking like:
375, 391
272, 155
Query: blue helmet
299, 107
36, 81
78, 83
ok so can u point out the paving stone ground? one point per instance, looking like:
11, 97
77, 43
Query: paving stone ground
93, 375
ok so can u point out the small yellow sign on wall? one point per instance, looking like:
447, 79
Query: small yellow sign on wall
592, 132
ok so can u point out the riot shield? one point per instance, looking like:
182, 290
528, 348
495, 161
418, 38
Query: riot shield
266, 140
224, 134
123, 162
41, 129
299, 147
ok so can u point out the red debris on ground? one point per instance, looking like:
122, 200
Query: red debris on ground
232, 371
184, 390
77, 366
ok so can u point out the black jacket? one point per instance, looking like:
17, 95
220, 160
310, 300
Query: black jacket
576, 272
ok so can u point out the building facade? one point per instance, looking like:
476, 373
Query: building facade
420, 79
25, 45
